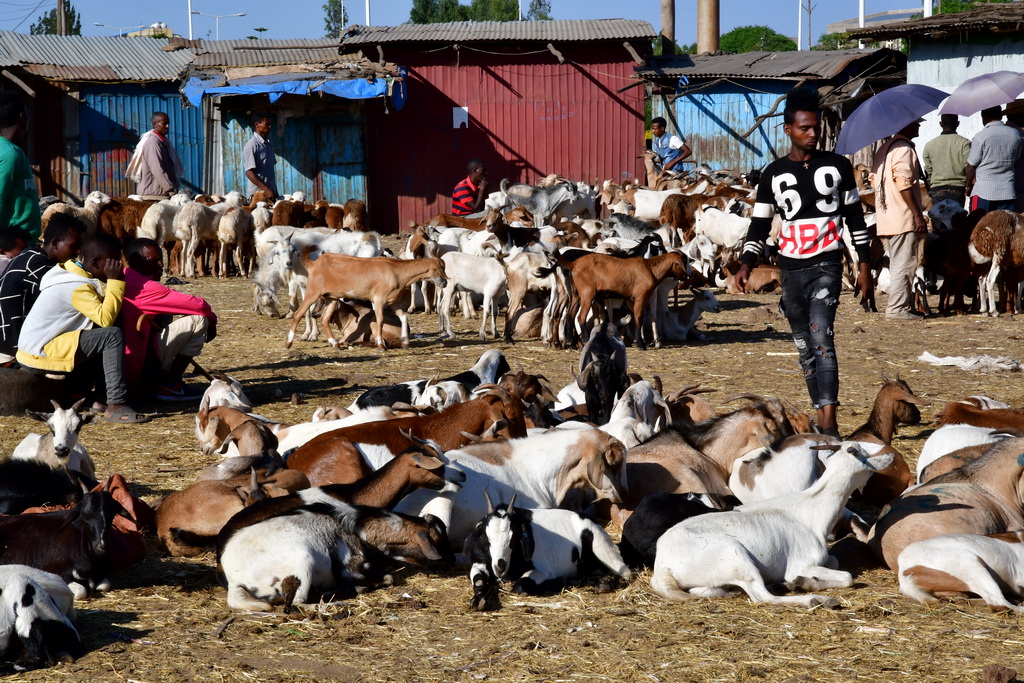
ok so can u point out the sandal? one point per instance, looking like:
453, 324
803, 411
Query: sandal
126, 415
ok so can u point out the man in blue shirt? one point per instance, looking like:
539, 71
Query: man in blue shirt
990, 165
671, 149
258, 159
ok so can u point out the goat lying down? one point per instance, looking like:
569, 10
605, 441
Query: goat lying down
537, 549
36, 609
777, 540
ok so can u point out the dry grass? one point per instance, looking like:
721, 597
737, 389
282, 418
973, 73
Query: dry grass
167, 619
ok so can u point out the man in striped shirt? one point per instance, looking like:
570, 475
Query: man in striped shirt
470, 194
815, 195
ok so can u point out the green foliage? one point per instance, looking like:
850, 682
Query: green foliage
955, 6
755, 38
441, 11
835, 41
47, 22
540, 10
335, 18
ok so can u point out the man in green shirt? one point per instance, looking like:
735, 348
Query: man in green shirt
19, 199
945, 162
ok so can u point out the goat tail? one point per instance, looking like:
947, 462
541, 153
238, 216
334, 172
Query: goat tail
910, 588
664, 583
183, 537
504, 185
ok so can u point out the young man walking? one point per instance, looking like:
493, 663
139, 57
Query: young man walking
815, 194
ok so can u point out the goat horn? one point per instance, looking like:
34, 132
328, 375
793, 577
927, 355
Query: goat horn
404, 406
254, 482
656, 381
475, 438
56, 406
490, 505
512, 503
435, 379
749, 397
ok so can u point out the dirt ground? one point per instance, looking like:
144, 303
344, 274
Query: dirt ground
167, 619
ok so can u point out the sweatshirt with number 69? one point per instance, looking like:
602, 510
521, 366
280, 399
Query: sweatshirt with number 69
814, 199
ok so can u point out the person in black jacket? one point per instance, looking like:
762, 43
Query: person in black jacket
815, 195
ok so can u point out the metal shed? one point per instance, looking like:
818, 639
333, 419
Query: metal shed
530, 98
728, 106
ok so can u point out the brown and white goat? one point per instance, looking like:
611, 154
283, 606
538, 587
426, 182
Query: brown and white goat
957, 412
381, 281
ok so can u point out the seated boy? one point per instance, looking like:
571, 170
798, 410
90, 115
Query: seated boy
12, 242
176, 342
71, 325
19, 284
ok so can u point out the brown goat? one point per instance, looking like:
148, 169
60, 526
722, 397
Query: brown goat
895, 404
355, 216
996, 418
355, 323
380, 280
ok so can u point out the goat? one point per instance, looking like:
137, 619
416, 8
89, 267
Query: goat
70, 543
541, 469
961, 456
602, 377
996, 418
60, 447
724, 228
538, 550
949, 438
684, 325
30, 483
527, 272
541, 202
648, 203
325, 547
656, 514
629, 227
985, 496
895, 404
639, 413
36, 609
379, 280
958, 564
776, 540
467, 273
489, 367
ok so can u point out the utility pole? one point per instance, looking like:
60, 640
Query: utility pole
799, 24
62, 20
368, 13
668, 28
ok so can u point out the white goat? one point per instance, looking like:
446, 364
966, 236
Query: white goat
949, 438
478, 274
60, 446
724, 228
638, 415
777, 540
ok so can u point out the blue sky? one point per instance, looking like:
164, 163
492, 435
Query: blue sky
304, 18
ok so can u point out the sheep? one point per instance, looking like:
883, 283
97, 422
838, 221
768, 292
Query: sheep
325, 547
467, 273
74, 544
195, 223
355, 215
538, 550
540, 202
541, 469
998, 239
158, 221
60, 447
88, 214
235, 234
777, 540
36, 609
288, 213
381, 280
989, 567
656, 514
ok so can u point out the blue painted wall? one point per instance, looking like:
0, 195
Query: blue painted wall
321, 155
712, 121
111, 118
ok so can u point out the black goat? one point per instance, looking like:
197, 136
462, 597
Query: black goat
73, 544
656, 514
29, 483
602, 377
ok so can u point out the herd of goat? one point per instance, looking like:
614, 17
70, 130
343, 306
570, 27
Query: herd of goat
498, 472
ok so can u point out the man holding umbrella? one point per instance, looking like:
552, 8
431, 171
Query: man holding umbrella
815, 194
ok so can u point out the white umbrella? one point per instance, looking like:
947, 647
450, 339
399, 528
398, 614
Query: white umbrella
982, 92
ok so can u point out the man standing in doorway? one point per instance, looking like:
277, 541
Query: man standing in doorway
945, 162
672, 150
258, 159
900, 220
155, 165
470, 194
19, 199
815, 194
994, 153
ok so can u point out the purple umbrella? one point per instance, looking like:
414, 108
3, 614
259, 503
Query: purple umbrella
885, 114
982, 92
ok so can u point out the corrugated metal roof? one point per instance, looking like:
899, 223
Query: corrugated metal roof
263, 52
795, 65
990, 17
92, 58
500, 31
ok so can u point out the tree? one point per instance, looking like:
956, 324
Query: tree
955, 6
47, 23
494, 10
835, 41
335, 18
539, 10
440, 11
755, 38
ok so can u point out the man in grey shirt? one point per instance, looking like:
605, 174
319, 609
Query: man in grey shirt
994, 152
258, 158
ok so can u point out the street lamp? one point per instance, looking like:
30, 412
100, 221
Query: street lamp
218, 17
121, 30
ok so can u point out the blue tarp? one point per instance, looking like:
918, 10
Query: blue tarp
355, 89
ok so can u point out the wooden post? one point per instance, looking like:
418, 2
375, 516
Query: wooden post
668, 28
707, 26
62, 20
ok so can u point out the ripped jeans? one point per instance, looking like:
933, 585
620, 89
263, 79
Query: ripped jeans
810, 297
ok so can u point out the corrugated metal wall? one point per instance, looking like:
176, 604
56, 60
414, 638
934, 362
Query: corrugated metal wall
713, 120
321, 155
113, 117
528, 116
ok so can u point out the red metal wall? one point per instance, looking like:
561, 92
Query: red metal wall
528, 116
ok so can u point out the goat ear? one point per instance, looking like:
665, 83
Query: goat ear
42, 417
88, 417
916, 400
427, 462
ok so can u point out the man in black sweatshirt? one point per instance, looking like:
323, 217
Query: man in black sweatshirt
815, 195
